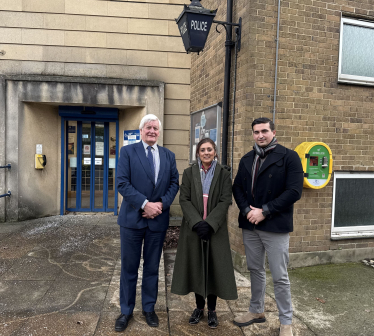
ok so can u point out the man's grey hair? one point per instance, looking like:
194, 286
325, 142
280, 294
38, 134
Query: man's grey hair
147, 118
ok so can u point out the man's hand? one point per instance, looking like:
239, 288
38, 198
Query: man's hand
255, 216
152, 209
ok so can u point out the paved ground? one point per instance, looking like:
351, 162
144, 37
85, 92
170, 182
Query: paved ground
60, 276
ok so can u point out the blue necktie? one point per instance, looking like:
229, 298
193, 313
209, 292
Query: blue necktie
151, 164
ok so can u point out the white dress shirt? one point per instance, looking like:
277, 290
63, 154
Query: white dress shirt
156, 162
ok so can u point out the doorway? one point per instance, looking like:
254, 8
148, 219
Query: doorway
90, 163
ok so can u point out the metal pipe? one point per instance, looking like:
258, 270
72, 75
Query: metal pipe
5, 195
226, 89
233, 107
7, 166
276, 62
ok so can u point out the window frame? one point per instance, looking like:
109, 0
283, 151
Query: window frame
348, 232
352, 79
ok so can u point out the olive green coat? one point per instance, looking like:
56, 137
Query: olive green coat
204, 268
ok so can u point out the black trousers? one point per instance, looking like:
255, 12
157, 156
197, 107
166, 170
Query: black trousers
212, 301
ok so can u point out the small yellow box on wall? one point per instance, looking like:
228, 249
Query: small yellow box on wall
40, 161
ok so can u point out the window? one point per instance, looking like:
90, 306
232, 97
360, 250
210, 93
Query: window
356, 61
353, 206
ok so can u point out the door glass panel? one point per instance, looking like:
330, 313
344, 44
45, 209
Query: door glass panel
96, 165
112, 164
99, 165
72, 165
86, 164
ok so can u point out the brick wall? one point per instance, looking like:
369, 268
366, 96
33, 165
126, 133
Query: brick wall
311, 105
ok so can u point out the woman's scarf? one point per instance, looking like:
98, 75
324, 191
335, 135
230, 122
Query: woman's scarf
206, 181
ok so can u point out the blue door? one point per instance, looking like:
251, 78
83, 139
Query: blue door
90, 163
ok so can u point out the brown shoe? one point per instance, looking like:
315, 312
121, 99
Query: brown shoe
285, 330
249, 318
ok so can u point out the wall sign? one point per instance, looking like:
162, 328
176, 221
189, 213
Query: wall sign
39, 149
205, 123
130, 137
99, 148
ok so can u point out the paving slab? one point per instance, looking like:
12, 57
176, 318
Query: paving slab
72, 324
13, 248
241, 281
84, 219
94, 269
111, 303
105, 220
18, 298
9, 328
30, 268
6, 265
6, 229
242, 303
73, 296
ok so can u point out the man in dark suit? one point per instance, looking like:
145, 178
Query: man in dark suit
269, 181
148, 180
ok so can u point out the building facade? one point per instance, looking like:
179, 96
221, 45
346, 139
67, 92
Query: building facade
75, 75
323, 94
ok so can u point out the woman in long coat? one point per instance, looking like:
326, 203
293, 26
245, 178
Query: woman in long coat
203, 263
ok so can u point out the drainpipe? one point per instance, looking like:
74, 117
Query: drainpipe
226, 90
233, 109
276, 62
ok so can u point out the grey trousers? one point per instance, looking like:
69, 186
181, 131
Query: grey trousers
276, 245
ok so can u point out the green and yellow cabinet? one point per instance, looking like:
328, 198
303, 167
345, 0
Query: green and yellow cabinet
316, 159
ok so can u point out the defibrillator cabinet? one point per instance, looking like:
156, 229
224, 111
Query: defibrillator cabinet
316, 159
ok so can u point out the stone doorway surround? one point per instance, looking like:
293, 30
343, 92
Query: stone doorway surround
32, 199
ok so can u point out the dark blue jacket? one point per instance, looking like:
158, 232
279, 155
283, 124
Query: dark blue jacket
278, 186
135, 184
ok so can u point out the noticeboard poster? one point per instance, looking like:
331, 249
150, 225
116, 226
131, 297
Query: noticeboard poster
205, 123
131, 137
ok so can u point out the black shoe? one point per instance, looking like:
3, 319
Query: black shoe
212, 319
151, 318
122, 322
196, 316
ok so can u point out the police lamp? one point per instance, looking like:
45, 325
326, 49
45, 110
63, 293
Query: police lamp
194, 25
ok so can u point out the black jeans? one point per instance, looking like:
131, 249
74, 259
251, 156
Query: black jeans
200, 301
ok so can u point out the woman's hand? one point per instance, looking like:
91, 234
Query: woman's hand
203, 230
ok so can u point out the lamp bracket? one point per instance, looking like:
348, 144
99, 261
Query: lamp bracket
238, 32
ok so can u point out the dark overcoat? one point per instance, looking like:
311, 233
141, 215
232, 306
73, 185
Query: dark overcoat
278, 186
204, 268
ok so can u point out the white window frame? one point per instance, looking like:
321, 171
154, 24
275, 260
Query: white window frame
347, 232
352, 79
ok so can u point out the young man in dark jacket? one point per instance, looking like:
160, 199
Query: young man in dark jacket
269, 181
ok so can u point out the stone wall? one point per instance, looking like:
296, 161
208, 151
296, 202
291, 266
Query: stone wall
310, 105
105, 39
